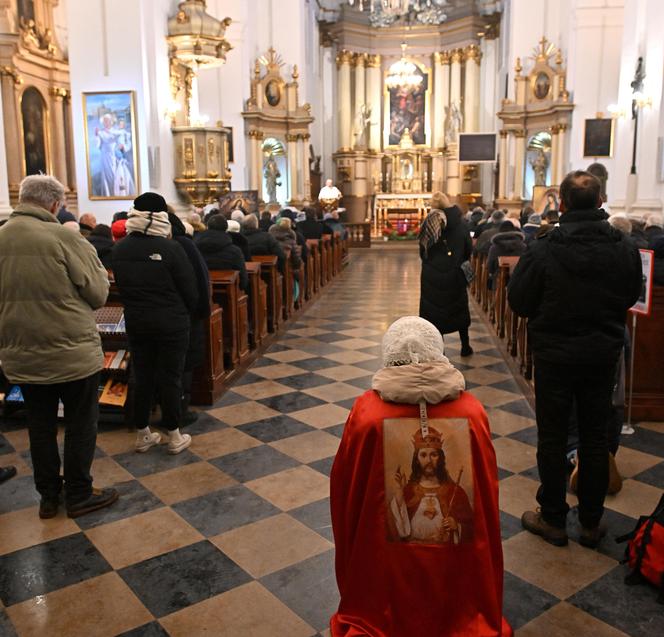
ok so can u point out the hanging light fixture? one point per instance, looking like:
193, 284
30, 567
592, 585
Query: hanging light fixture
384, 13
403, 74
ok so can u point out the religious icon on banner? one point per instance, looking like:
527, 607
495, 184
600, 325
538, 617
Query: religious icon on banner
111, 145
428, 481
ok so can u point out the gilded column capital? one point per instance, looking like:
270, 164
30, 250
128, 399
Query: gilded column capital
373, 60
503, 133
519, 132
255, 134
306, 137
562, 128
472, 52
291, 138
441, 57
8, 71
359, 59
58, 92
344, 57
456, 56
555, 129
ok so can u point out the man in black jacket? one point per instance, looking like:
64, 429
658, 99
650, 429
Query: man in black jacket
158, 289
262, 243
219, 251
575, 286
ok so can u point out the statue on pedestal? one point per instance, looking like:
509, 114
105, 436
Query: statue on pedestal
362, 121
272, 173
453, 120
540, 163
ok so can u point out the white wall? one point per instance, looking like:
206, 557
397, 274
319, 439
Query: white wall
125, 51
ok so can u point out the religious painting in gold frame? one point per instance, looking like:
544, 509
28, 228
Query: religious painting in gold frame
598, 137
111, 145
408, 109
273, 93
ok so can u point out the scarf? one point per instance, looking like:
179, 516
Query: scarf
432, 228
155, 224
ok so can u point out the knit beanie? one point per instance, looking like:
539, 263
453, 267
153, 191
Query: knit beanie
410, 340
119, 229
218, 222
150, 202
149, 216
233, 226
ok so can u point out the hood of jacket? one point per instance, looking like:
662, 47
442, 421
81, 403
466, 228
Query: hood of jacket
33, 210
412, 384
281, 233
579, 243
508, 240
213, 239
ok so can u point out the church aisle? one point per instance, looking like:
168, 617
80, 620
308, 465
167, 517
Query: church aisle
233, 536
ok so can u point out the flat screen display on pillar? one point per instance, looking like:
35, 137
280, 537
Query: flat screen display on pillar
475, 148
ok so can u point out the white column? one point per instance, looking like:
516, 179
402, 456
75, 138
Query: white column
455, 76
519, 162
502, 180
292, 167
555, 149
254, 160
58, 148
5, 207
343, 100
438, 102
305, 178
471, 106
560, 164
359, 62
374, 99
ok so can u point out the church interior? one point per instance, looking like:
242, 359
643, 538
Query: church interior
354, 116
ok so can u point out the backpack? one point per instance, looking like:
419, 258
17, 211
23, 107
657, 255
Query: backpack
645, 550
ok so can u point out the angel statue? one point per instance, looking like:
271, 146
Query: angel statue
272, 174
453, 119
362, 121
540, 163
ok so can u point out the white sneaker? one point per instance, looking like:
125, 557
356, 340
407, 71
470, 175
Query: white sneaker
179, 443
146, 441
627, 430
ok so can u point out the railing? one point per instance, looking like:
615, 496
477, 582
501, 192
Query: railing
359, 234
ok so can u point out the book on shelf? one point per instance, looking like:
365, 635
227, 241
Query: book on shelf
108, 359
114, 393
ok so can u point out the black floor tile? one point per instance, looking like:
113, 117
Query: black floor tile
246, 379
523, 601
616, 525
18, 493
314, 364
645, 440
155, 460
346, 404
304, 381
336, 430
204, 424
153, 629
509, 526
324, 465
316, 516
632, 609
254, 463
6, 626
5, 447
520, 408
527, 435
508, 385
276, 428
309, 588
134, 499
504, 473
40, 569
178, 579
294, 401
653, 476
228, 399
224, 510
364, 382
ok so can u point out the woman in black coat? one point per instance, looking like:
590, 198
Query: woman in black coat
444, 245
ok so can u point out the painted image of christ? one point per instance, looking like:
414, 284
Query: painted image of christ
427, 503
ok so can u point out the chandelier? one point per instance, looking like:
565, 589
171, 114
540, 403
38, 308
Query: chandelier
403, 74
384, 13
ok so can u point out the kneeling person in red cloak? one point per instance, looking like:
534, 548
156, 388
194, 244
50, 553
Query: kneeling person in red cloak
417, 552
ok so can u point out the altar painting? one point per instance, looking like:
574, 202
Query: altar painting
408, 109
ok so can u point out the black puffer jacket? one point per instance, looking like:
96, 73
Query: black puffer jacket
104, 246
509, 243
288, 239
652, 234
575, 285
313, 229
264, 244
443, 287
220, 253
156, 283
658, 268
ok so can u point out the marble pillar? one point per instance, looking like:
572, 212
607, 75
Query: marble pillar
471, 103
456, 58
344, 100
441, 97
560, 163
374, 99
303, 156
502, 179
254, 162
519, 162
453, 170
555, 178
59, 149
359, 62
5, 207
292, 167
11, 120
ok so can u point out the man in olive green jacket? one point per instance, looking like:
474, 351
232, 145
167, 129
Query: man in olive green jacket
50, 282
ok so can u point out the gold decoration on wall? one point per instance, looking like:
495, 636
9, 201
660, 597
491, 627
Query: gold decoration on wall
344, 57
456, 56
373, 61
517, 67
472, 52
8, 71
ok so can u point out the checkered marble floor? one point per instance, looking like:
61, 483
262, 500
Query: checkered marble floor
233, 537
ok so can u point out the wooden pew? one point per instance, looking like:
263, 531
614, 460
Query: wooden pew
324, 261
226, 292
506, 266
299, 303
273, 279
208, 382
288, 305
336, 254
314, 249
257, 304
309, 273
329, 253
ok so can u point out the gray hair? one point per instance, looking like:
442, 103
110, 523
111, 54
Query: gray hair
622, 223
250, 222
42, 190
655, 220
497, 216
